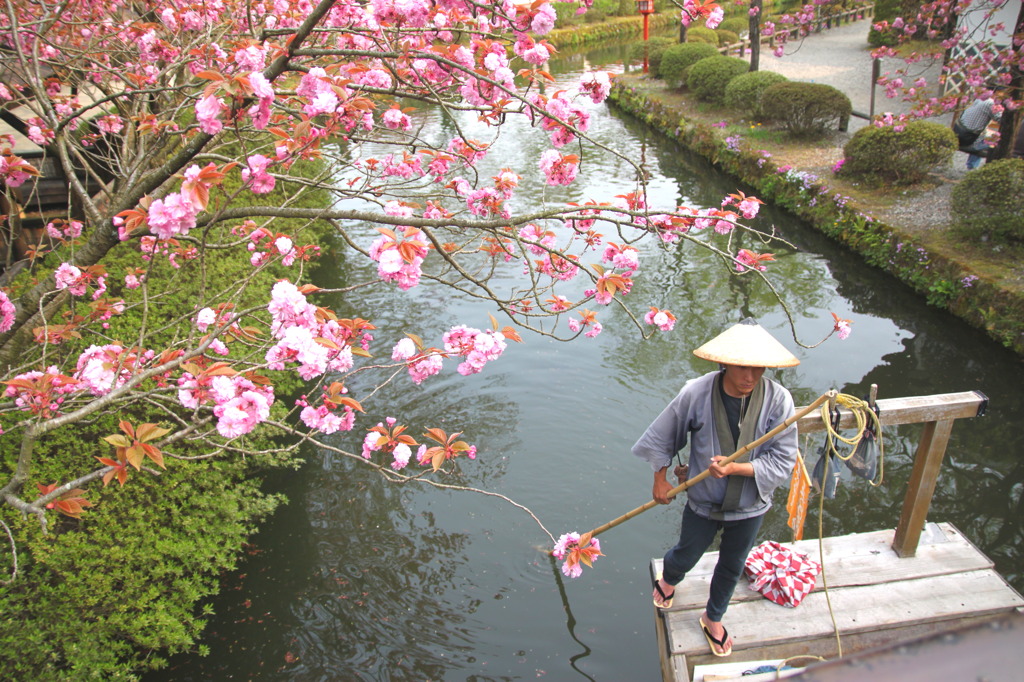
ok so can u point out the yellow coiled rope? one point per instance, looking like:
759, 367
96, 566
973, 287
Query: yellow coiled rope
862, 412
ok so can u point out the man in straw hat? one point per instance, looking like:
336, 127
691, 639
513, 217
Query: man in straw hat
718, 414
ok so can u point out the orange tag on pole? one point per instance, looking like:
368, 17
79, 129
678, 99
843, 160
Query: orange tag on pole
799, 493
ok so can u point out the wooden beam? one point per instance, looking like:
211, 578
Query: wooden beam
912, 410
921, 487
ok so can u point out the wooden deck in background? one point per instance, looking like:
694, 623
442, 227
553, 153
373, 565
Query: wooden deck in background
877, 599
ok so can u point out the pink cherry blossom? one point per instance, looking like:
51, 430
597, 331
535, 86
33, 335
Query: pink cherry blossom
396, 119
208, 112
597, 84
478, 347
322, 419
558, 169
70, 277
241, 414
260, 112
100, 369
568, 548
15, 170
662, 319
111, 124
288, 307
7, 312
543, 20
256, 175
421, 364
297, 344
205, 318
170, 216
251, 58
622, 256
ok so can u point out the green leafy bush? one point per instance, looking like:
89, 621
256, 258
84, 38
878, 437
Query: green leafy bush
727, 37
805, 109
701, 34
655, 49
744, 92
989, 202
885, 12
127, 580
738, 25
709, 77
902, 157
677, 58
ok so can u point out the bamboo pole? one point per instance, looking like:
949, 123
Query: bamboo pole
704, 474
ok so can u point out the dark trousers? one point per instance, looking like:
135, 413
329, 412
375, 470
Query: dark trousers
695, 536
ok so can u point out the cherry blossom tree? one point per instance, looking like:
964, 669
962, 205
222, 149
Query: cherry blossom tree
191, 132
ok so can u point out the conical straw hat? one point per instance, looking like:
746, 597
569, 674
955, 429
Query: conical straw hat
747, 344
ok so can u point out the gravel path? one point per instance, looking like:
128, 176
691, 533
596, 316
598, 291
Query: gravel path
841, 57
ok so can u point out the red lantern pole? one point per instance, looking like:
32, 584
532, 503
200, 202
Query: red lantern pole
646, 8
645, 41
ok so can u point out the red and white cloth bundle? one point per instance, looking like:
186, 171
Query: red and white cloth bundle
781, 574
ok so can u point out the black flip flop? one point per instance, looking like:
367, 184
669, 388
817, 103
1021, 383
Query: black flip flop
666, 600
712, 640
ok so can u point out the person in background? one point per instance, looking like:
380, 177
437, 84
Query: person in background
717, 414
970, 128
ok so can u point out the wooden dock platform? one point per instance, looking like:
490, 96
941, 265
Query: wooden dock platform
877, 598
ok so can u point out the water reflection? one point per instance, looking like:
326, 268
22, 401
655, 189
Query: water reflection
359, 580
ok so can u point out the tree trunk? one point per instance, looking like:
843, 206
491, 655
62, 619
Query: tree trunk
1011, 119
755, 34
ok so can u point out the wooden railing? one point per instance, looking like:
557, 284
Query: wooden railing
743, 46
937, 413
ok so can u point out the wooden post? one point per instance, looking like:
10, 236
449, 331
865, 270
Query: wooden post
921, 487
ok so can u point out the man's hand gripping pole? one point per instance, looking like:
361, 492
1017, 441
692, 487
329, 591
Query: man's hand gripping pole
704, 474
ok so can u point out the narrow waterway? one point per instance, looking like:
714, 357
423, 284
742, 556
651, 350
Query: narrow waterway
356, 579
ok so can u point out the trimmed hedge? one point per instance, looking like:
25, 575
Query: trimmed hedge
727, 37
709, 77
701, 34
989, 202
902, 157
744, 92
738, 25
806, 109
676, 59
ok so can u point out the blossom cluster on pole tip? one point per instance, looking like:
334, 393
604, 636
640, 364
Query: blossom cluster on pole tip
576, 551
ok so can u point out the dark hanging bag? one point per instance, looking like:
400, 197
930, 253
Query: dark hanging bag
864, 460
825, 477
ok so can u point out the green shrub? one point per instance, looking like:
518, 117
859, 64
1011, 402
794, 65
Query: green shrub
885, 12
738, 25
677, 58
655, 49
901, 157
744, 92
709, 77
726, 37
701, 34
805, 109
989, 202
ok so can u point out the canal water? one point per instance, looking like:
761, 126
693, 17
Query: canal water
357, 579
